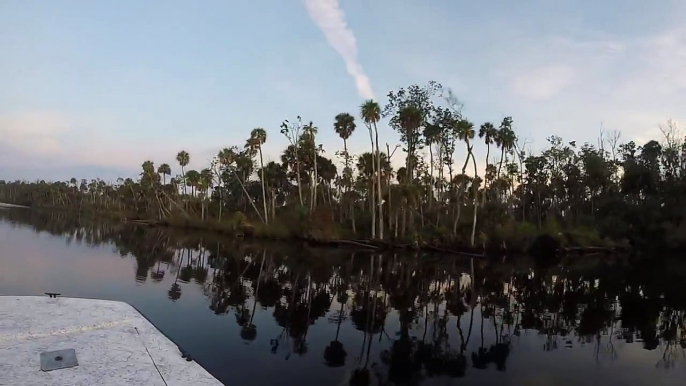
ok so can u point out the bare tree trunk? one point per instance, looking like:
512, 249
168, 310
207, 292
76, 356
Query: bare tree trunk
488, 152
313, 204
404, 220
372, 193
264, 191
388, 184
221, 202
297, 166
252, 203
431, 175
457, 217
352, 209
476, 200
378, 182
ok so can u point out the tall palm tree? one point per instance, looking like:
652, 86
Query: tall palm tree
204, 184
193, 180
489, 133
465, 132
310, 134
432, 135
475, 183
183, 158
371, 114
258, 137
292, 132
165, 171
410, 121
506, 139
344, 125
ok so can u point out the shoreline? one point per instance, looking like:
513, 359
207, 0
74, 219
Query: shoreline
248, 231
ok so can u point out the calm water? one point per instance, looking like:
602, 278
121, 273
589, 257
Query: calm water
284, 314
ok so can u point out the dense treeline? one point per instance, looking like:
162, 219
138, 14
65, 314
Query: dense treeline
607, 193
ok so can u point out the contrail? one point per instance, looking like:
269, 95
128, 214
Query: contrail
329, 17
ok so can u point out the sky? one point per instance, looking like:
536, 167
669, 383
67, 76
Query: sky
93, 89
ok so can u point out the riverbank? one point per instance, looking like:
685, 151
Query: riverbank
275, 232
316, 232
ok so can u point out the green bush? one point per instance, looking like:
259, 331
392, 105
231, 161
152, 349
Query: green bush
513, 235
584, 237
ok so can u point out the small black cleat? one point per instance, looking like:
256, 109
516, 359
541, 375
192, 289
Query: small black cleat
188, 358
52, 294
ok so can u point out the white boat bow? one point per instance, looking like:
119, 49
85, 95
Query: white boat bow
113, 345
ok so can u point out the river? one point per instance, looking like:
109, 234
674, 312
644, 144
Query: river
286, 314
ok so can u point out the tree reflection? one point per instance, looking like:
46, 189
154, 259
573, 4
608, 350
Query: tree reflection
402, 318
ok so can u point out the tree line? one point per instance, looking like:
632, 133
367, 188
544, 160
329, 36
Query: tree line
582, 194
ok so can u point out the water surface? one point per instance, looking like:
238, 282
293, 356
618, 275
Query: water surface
285, 314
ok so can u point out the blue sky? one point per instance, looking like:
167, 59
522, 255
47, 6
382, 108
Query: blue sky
92, 89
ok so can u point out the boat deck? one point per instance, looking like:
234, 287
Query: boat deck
114, 345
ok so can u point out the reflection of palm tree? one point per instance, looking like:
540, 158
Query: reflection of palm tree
335, 354
249, 331
361, 376
158, 275
183, 159
175, 292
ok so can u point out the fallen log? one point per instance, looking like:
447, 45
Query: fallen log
442, 250
356, 243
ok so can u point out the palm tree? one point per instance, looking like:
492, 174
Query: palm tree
292, 132
489, 133
506, 139
148, 177
432, 135
258, 137
465, 132
475, 184
344, 125
231, 160
193, 180
309, 136
165, 171
183, 159
204, 184
371, 114
410, 121
368, 122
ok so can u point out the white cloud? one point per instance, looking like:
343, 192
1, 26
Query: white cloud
330, 19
